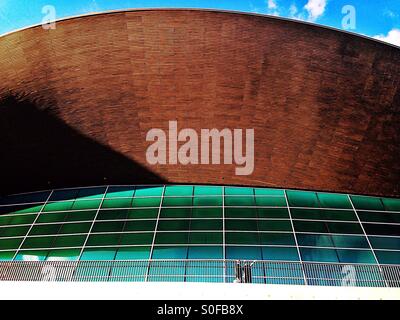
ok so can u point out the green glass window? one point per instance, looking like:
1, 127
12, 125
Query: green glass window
91, 193
241, 225
96, 240
148, 191
205, 224
385, 243
172, 238
302, 199
178, 191
112, 226
242, 238
175, 213
241, 213
382, 229
140, 225
85, 215
64, 195
13, 231
330, 200
20, 209
274, 225
172, 225
207, 191
269, 192
239, 201
133, 253
117, 203
25, 198
16, 220
391, 204
143, 213
58, 206
63, 255
243, 253
367, 203
207, 212
120, 192
98, 254
207, 201
276, 239
205, 252
206, 238
369, 216
319, 214
327, 227
388, 257
86, 204
137, 239
146, 202
280, 254
7, 244
270, 201
6, 255
31, 255
178, 202
52, 217
273, 213
169, 252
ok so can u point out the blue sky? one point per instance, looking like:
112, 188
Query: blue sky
374, 18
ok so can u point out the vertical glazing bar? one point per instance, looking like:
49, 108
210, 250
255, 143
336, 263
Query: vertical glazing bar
154, 235
366, 236
93, 222
295, 238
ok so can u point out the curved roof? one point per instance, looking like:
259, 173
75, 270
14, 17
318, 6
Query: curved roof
79, 100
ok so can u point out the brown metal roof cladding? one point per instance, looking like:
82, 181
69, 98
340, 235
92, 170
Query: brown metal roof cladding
78, 101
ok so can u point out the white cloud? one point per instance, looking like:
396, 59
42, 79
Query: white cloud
293, 10
392, 37
315, 9
272, 4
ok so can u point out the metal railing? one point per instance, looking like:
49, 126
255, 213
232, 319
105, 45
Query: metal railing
229, 271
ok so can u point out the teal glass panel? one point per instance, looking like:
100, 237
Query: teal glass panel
205, 252
64, 195
86, 204
63, 255
330, 200
58, 206
31, 255
178, 191
388, 257
319, 255
207, 201
25, 198
173, 225
52, 217
170, 253
71, 228
239, 201
385, 243
172, 238
91, 193
96, 240
356, 256
327, 227
7, 255
269, 192
350, 241
175, 213
17, 220
137, 239
85, 215
143, 213
178, 202
284, 239
38, 242
280, 254
149, 191
391, 204
382, 229
146, 202
302, 199
242, 238
98, 254
271, 201
367, 203
207, 212
120, 192
51, 229
241, 225
69, 241
8, 244
320, 214
14, 231
243, 253
236, 191
20, 209
241, 213
205, 238
207, 191
273, 213
275, 225
117, 203
368, 216
205, 224
112, 226
314, 240
112, 214
140, 225
133, 253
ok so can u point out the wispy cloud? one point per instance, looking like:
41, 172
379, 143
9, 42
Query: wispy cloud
315, 9
272, 4
392, 37
293, 10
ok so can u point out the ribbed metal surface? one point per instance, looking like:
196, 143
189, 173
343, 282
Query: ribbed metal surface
229, 271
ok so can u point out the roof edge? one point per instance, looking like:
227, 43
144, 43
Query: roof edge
118, 11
